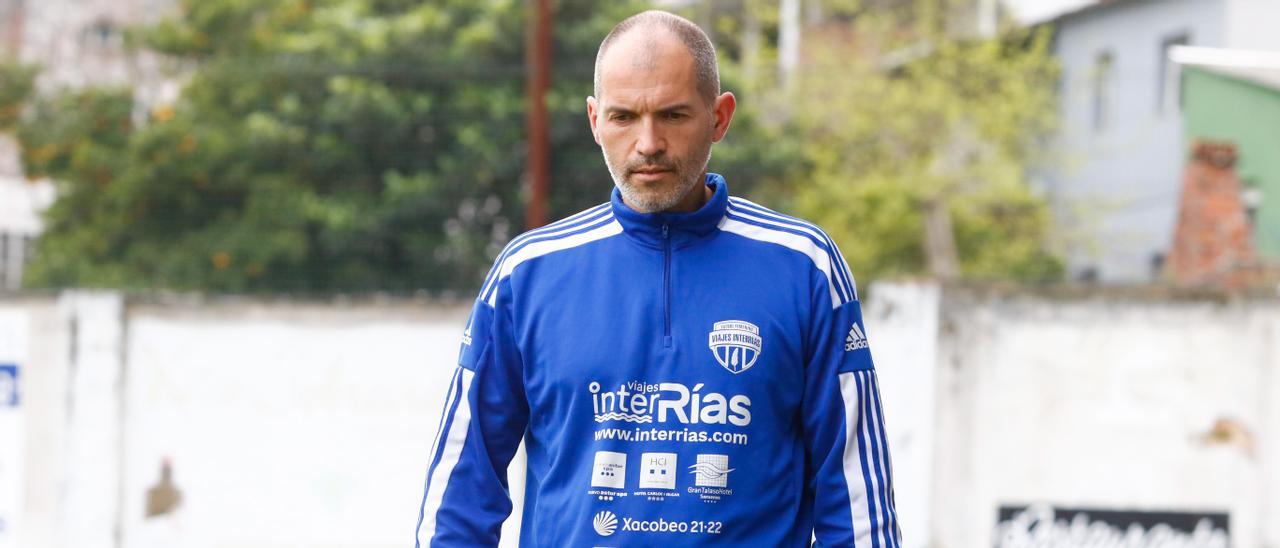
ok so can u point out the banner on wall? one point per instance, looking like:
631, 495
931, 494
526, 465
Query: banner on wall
11, 443
1048, 526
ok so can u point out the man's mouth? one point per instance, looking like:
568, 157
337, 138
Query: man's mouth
650, 171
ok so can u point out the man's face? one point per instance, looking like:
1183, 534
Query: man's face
652, 124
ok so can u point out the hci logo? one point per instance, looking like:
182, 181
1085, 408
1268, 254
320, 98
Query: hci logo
736, 344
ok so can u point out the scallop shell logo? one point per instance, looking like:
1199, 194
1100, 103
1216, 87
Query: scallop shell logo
605, 523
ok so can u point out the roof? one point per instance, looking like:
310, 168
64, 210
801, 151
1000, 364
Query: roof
1259, 67
1089, 7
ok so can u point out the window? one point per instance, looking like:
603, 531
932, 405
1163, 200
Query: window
1168, 88
102, 34
1103, 76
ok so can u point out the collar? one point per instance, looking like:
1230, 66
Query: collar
682, 228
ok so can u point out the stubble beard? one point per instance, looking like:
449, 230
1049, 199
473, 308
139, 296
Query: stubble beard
688, 176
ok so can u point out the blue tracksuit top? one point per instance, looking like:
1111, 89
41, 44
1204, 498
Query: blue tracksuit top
679, 379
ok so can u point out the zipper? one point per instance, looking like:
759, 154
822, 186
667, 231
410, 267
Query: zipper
666, 285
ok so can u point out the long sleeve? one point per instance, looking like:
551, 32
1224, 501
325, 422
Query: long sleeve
850, 479
485, 414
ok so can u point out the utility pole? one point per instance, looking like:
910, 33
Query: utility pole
788, 40
538, 61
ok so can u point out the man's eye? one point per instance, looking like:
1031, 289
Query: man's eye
621, 117
675, 115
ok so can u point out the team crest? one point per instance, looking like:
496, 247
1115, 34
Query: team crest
735, 344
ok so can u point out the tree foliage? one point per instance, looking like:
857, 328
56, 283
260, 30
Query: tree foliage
360, 145
318, 145
922, 159
17, 82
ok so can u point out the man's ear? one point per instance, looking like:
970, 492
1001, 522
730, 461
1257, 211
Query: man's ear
723, 108
592, 106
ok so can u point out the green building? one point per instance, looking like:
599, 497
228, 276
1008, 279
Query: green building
1233, 96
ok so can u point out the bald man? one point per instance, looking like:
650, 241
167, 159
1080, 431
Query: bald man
685, 368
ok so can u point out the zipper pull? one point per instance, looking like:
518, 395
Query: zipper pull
665, 227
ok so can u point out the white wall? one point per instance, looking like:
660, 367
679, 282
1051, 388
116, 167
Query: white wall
14, 328
902, 327
89, 512
286, 425
33, 336
308, 424
1102, 403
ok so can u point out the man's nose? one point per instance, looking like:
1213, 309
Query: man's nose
650, 142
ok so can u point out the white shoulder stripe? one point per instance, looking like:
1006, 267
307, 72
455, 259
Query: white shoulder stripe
575, 219
845, 292
538, 249
562, 226
793, 241
744, 203
495, 273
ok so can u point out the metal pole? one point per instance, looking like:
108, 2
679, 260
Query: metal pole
538, 60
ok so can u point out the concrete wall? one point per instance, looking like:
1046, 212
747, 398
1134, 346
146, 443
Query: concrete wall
286, 424
1095, 402
301, 425
307, 424
33, 336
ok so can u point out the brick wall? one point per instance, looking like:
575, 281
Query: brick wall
1213, 243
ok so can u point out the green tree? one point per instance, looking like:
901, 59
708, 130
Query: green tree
920, 153
17, 82
908, 138
318, 145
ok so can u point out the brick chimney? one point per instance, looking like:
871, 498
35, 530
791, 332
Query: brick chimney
1212, 242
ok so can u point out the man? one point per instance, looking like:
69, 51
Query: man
685, 368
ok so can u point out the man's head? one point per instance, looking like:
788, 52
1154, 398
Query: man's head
657, 109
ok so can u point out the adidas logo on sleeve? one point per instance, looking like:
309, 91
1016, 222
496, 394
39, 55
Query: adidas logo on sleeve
856, 339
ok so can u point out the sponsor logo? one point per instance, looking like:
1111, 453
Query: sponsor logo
605, 523
610, 470
658, 470
855, 339
736, 344
668, 401
661, 525
711, 471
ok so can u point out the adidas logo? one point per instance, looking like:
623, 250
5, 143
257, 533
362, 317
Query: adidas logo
856, 339
466, 336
